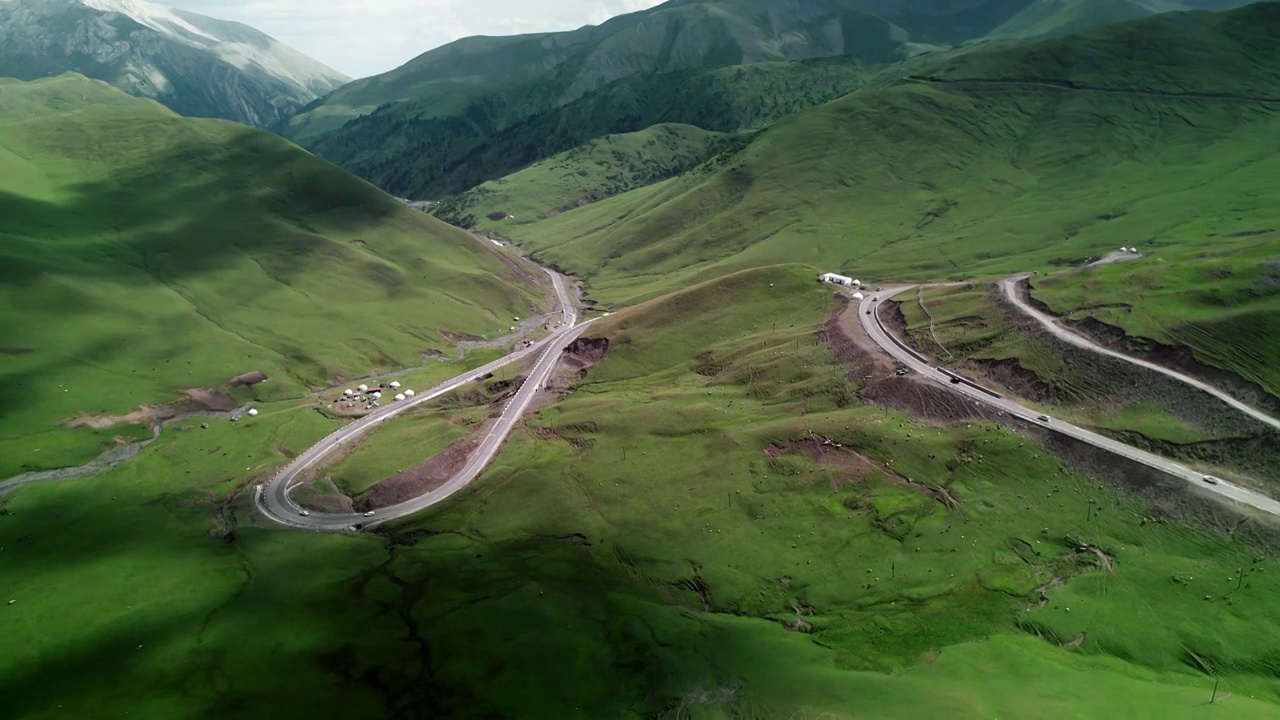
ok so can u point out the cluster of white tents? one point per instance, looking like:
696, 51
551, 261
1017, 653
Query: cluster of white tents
377, 393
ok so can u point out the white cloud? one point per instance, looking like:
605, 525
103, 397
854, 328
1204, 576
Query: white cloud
366, 37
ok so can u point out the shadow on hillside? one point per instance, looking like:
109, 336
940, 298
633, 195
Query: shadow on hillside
186, 210
343, 626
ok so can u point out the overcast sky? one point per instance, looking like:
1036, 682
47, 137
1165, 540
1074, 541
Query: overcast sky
366, 37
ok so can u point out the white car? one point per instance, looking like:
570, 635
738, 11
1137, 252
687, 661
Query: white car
303, 513
1211, 479
369, 514
1043, 418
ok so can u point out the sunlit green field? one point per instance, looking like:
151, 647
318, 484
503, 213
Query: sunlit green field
145, 254
635, 552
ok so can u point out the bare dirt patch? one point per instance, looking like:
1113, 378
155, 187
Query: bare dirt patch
581, 355
457, 337
871, 368
253, 377
857, 466
194, 400
329, 500
585, 352
423, 478
1077, 642
1042, 593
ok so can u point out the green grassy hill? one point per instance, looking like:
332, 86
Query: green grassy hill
143, 254
602, 168
483, 107
1220, 299
507, 78
680, 544
970, 179
1060, 17
405, 148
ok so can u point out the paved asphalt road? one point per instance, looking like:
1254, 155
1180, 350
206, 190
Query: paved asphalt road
868, 315
1009, 288
274, 501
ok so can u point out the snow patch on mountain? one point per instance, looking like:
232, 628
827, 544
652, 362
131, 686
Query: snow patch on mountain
156, 17
239, 45
196, 65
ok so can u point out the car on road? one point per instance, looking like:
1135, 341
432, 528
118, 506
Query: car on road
1043, 418
868, 312
1211, 479
304, 513
369, 514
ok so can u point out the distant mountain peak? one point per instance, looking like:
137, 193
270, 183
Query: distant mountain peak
196, 65
157, 17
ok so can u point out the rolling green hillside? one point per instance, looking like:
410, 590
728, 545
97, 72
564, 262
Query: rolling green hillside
491, 82
957, 180
1219, 298
1060, 17
602, 168
481, 108
1197, 53
432, 158
970, 178
144, 254
669, 541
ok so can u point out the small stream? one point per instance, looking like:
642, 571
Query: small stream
110, 457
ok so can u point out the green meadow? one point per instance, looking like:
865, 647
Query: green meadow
145, 254
636, 552
604, 167
1220, 299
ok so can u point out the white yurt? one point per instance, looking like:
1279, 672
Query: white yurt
408, 393
348, 393
858, 296
253, 411
362, 388
399, 396
395, 384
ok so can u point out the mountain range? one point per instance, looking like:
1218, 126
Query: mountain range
196, 65
482, 107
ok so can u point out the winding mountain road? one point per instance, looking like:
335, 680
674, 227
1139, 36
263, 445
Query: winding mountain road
1009, 287
869, 317
273, 500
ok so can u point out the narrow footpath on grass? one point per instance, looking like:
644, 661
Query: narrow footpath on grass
1009, 287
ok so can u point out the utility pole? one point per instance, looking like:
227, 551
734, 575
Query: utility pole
1216, 680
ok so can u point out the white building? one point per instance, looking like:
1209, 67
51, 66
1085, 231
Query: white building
837, 279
